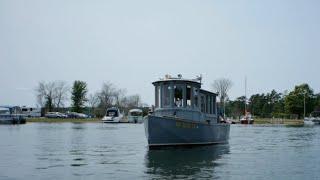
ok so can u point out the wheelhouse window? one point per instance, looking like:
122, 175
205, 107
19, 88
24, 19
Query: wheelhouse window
158, 96
189, 95
207, 104
135, 113
213, 104
166, 95
196, 93
112, 113
4, 111
210, 105
202, 104
178, 96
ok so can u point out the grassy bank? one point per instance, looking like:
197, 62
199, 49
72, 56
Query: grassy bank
61, 120
293, 122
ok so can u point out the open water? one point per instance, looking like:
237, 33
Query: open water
119, 151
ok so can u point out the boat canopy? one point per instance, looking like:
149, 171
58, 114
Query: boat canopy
135, 110
183, 93
12, 109
4, 110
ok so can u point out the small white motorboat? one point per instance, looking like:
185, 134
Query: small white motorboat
113, 115
308, 121
313, 119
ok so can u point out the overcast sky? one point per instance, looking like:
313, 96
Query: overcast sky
131, 43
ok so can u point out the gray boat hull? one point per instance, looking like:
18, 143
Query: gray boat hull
12, 119
171, 131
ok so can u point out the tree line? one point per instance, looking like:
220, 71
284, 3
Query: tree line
54, 95
300, 102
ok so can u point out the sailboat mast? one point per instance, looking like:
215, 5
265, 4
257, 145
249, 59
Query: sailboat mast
245, 95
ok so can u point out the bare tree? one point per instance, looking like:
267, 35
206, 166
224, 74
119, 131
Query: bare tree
119, 97
106, 95
45, 93
134, 100
51, 94
93, 101
110, 96
61, 93
222, 86
41, 94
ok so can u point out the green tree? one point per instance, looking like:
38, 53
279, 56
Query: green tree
317, 102
78, 96
295, 100
235, 108
49, 103
256, 104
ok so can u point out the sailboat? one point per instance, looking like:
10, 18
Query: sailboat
247, 118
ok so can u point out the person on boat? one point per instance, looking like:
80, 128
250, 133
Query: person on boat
178, 102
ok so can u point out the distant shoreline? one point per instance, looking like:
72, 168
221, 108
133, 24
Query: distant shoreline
278, 121
63, 120
98, 120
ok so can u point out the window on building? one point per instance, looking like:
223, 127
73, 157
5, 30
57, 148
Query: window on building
178, 96
189, 95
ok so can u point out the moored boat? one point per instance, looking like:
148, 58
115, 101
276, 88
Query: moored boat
11, 115
308, 122
113, 115
135, 116
313, 119
247, 119
184, 114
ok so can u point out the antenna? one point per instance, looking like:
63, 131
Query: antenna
199, 78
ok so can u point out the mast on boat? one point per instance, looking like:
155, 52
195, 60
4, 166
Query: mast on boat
245, 95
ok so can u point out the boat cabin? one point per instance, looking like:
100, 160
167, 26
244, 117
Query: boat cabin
135, 112
112, 112
184, 98
10, 110
11, 115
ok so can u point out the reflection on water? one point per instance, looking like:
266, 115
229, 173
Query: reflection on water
119, 151
184, 162
78, 126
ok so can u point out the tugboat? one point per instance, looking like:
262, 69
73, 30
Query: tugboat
184, 114
11, 115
